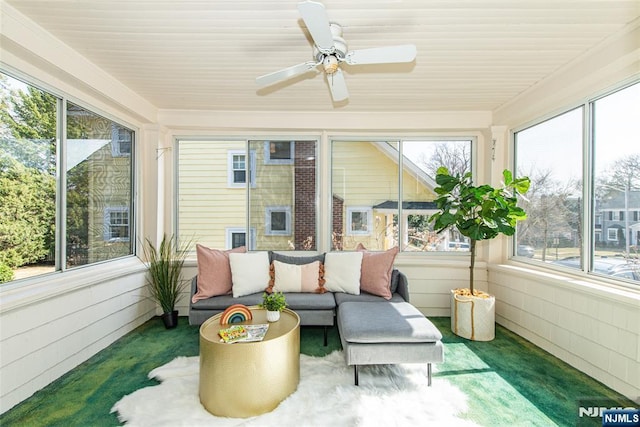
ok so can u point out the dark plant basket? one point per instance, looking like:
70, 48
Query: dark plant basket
170, 320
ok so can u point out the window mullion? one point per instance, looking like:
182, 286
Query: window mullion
401, 222
588, 173
61, 183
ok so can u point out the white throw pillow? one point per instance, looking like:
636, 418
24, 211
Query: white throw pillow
342, 272
249, 272
296, 278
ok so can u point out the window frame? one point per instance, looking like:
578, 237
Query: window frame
593, 218
107, 223
470, 137
269, 210
359, 209
61, 244
250, 168
249, 240
267, 153
116, 141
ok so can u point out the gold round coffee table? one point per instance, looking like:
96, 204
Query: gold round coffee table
249, 378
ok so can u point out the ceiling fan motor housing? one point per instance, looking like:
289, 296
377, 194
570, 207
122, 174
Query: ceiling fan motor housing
338, 55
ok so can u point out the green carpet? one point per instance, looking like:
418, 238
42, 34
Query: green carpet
509, 381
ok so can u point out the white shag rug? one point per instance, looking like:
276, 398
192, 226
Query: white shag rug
389, 395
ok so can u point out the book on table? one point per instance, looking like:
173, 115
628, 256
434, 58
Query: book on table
243, 333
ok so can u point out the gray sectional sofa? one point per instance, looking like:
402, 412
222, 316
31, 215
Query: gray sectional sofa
373, 330
313, 309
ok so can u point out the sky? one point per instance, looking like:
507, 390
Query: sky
557, 143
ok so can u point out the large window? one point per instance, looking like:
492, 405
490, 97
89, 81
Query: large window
550, 154
217, 203
420, 161
600, 237
283, 204
60, 212
383, 192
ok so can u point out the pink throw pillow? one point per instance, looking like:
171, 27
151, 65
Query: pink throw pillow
375, 275
214, 272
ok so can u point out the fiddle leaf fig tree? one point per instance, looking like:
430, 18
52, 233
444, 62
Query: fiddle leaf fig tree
478, 212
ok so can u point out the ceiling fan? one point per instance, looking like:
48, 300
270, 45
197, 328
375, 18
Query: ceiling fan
330, 51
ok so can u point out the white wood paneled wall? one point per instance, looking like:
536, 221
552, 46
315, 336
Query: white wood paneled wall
589, 326
42, 340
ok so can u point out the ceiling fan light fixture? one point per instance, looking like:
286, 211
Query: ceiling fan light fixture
330, 64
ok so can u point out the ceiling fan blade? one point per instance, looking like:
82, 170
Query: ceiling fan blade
316, 19
382, 55
338, 86
285, 73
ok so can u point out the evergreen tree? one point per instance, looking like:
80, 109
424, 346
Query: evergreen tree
27, 175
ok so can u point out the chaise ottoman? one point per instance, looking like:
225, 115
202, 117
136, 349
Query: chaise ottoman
375, 333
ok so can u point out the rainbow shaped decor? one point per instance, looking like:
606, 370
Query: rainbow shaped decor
235, 314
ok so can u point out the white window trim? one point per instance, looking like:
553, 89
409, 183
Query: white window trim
229, 231
267, 221
359, 209
267, 154
116, 141
107, 222
615, 234
251, 170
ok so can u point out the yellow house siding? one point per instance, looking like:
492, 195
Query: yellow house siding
274, 188
109, 186
363, 175
207, 205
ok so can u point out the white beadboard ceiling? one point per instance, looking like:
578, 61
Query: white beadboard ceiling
206, 54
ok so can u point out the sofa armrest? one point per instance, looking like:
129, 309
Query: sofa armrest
194, 288
403, 286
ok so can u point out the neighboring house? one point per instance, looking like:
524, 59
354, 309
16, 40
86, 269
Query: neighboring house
612, 218
281, 196
212, 197
98, 164
365, 180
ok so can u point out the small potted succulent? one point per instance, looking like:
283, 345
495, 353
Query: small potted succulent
274, 303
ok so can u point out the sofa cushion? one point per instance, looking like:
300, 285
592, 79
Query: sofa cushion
342, 272
342, 297
295, 301
306, 301
296, 278
223, 301
249, 272
292, 259
384, 322
377, 266
214, 272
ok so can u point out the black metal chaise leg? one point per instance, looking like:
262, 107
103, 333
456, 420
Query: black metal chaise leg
355, 374
429, 374
325, 335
